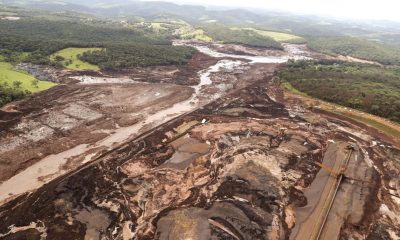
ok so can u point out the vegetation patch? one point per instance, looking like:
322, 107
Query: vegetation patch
224, 34
158, 26
118, 57
15, 85
389, 128
43, 37
8, 76
198, 34
372, 89
69, 58
355, 47
279, 36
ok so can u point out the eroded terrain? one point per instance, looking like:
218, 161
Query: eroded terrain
225, 157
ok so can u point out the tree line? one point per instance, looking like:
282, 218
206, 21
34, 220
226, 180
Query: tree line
355, 47
117, 57
368, 88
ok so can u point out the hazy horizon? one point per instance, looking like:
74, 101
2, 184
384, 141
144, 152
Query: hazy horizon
350, 9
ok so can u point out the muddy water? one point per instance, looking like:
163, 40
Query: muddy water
51, 167
95, 220
292, 52
187, 149
38, 174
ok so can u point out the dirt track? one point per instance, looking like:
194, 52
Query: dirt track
311, 219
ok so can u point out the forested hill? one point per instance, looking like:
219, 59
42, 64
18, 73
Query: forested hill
368, 88
37, 37
385, 31
356, 47
76, 31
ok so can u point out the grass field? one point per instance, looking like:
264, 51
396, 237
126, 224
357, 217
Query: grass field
279, 36
158, 26
9, 74
198, 34
71, 59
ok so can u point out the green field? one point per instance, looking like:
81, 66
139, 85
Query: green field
8, 74
71, 58
158, 26
198, 34
279, 36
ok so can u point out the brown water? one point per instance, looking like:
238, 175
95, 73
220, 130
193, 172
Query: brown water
187, 149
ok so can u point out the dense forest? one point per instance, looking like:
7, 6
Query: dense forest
42, 37
360, 48
77, 31
117, 57
368, 88
224, 34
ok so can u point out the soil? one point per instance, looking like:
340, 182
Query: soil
221, 156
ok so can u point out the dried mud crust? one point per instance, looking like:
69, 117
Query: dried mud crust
67, 116
247, 185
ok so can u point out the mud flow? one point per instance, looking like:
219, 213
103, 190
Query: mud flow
224, 156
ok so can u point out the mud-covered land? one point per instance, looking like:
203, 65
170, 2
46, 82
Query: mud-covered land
293, 51
241, 167
45, 73
182, 75
227, 157
54, 132
60, 119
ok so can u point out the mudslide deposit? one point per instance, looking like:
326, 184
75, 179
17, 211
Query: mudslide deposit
225, 158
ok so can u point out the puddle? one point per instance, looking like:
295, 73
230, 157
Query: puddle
96, 222
187, 149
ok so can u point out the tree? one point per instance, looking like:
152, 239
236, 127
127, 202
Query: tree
35, 83
17, 84
59, 58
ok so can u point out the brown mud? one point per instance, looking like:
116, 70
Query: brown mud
244, 187
238, 166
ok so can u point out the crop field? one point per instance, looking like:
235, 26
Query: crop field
72, 61
9, 75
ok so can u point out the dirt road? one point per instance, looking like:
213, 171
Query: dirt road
321, 194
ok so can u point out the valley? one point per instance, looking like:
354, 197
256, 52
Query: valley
154, 120
225, 156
